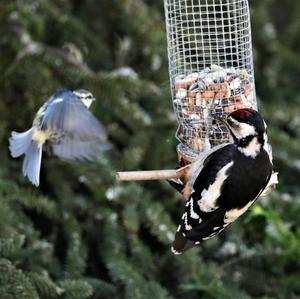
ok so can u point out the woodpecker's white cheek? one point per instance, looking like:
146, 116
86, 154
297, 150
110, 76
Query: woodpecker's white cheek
241, 130
252, 149
207, 203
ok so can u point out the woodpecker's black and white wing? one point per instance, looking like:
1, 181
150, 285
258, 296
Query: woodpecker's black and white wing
80, 134
203, 217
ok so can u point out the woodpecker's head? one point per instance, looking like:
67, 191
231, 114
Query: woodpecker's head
245, 124
85, 96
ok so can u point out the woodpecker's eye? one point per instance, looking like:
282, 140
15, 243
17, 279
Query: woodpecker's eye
89, 97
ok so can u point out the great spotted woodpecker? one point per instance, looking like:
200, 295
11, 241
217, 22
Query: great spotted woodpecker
224, 182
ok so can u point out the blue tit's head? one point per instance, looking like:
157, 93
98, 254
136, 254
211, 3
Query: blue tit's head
85, 96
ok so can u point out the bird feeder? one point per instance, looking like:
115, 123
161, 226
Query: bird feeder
210, 69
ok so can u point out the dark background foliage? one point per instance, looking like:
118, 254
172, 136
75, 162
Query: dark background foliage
81, 235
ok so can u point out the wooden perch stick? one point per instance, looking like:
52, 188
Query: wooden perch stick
150, 175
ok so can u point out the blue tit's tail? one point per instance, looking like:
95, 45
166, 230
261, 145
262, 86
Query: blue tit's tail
32, 163
19, 143
22, 143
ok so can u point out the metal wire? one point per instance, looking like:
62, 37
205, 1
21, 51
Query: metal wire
210, 66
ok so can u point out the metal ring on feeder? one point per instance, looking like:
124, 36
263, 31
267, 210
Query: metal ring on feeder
210, 67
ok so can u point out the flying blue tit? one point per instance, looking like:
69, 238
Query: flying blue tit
66, 127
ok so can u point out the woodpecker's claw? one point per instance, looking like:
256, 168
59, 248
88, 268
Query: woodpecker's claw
177, 184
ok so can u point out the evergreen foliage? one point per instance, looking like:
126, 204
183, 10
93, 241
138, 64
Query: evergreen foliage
81, 235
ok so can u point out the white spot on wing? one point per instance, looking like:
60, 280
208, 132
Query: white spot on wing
192, 212
174, 251
207, 203
186, 225
212, 234
58, 100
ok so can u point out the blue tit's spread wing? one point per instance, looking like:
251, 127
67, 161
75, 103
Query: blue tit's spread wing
66, 114
72, 149
79, 134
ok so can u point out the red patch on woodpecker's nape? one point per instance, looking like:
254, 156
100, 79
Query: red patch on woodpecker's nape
242, 113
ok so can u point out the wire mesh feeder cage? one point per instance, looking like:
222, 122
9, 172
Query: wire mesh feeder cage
210, 66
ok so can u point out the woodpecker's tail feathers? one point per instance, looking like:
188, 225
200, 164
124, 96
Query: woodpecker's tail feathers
181, 244
19, 143
32, 163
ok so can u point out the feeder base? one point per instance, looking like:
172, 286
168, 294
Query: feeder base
185, 154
